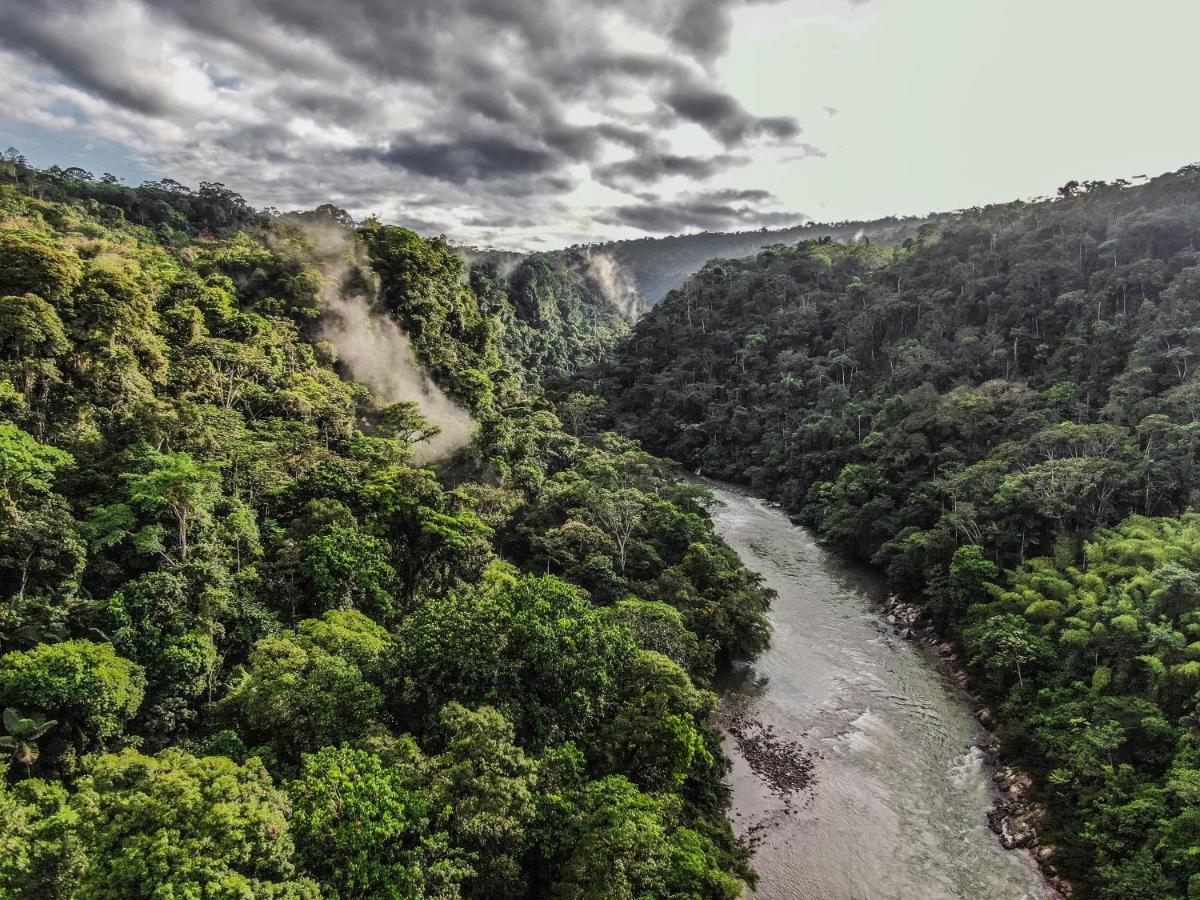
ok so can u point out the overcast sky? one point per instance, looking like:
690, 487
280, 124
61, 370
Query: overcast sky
538, 123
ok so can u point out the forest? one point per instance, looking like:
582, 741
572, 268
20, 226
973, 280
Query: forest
255, 642
1002, 414
659, 264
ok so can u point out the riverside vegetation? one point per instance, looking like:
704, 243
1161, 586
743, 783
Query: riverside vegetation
1002, 413
250, 647
256, 641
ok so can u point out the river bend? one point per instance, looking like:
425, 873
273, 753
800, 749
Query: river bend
899, 790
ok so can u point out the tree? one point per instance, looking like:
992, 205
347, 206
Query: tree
484, 784
405, 422
660, 627
86, 686
30, 327
177, 484
433, 533
40, 548
27, 467
350, 570
316, 686
1005, 643
23, 733
579, 412
41, 854
174, 825
536, 649
970, 573
625, 843
656, 737
165, 622
30, 263
363, 829
619, 512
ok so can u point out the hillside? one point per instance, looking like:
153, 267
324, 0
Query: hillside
658, 265
559, 311
262, 635
1001, 413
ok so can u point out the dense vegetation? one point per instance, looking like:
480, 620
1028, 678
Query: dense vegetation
556, 314
658, 265
249, 648
1003, 414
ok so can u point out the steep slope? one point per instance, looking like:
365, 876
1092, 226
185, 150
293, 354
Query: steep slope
558, 312
249, 646
1002, 413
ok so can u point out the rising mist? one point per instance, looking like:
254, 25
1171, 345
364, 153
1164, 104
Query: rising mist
373, 347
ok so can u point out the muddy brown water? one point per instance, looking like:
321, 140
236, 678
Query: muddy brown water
895, 805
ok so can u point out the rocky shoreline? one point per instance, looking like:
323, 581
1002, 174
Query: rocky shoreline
1015, 817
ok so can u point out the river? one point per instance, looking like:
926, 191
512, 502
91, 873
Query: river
899, 791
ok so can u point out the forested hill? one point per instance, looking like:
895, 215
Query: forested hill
1002, 413
658, 265
258, 638
562, 311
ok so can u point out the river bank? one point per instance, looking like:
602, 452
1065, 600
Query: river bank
858, 766
1015, 818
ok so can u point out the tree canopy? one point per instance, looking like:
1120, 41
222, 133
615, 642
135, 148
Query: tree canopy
250, 647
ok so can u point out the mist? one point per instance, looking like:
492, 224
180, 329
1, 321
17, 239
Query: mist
372, 345
615, 282
380, 355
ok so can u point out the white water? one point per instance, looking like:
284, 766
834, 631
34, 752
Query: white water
897, 807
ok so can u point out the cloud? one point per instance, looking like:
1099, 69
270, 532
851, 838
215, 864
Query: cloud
463, 111
726, 118
654, 167
712, 211
468, 158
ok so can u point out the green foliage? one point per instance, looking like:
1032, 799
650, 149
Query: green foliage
178, 486
85, 686
32, 264
554, 315
657, 737
1002, 414
1004, 646
661, 628
27, 468
158, 622
22, 736
174, 825
350, 570
213, 542
536, 649
424, 288
628, 844
41, 854
313, 687
362, 828
484, 783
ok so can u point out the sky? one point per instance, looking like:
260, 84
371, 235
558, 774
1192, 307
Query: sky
540, 123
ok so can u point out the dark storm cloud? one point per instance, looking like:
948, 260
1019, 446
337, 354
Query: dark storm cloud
465, 159
712, 211
650, 168
477, 102
704, 27
726, 118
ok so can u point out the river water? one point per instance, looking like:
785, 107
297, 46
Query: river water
899, 792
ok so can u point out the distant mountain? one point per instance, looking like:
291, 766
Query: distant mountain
659, 265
